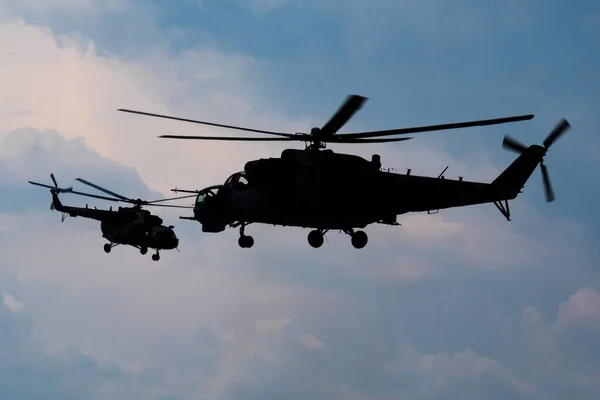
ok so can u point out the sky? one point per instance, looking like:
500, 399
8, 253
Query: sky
460, 304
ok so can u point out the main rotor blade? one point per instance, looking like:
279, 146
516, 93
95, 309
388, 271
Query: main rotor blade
340, 139
513, 144
557, 132
53, 179
238, 139
547, 185
103, 190
206, 123
352, 104
403, 131
170, 199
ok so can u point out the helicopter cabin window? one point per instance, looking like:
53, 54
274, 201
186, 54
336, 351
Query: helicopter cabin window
201, 197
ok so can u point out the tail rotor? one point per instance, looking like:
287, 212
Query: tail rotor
512, 144
53, 189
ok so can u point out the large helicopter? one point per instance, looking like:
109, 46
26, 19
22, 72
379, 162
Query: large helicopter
324, 190
132, 226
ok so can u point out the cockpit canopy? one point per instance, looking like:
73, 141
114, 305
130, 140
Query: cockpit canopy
206, 193
239, 178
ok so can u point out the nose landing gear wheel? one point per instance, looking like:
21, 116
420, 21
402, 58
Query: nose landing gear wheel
155, 257
245, 242
143, 250
107, 248
315, 239
359, 239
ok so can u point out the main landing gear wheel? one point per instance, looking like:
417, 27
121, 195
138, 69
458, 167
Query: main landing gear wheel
359, 239
143, 250
107, 248
156, 256
245, 242
315, 238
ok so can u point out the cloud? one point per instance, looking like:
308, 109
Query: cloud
310, 341
218, 321
11, 303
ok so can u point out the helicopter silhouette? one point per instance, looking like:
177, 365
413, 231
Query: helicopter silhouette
323, 190
131, 226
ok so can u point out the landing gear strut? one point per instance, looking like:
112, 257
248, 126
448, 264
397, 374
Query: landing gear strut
245, 242
359, 239
316, 238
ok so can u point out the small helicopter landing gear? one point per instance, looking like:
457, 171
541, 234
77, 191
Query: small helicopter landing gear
143, 250
156, 256
316, 238
359, 239
245, 242
108, 247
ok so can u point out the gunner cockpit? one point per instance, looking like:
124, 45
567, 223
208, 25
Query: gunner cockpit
207, 193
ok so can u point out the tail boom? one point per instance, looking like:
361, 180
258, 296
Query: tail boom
511, 181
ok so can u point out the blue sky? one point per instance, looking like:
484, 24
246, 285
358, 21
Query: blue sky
458, 305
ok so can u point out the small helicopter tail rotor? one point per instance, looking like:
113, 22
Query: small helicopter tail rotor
518, 147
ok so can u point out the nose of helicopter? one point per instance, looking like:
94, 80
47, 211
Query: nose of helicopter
173, 240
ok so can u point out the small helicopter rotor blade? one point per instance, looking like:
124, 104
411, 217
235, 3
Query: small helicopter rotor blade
457, 125
53, 180
168, 205
55, 188
513, 144
340, 139
557, 132
547, 185
235, 139
206, 123
103, 190
96, 196
43, 185
352, 104
170, 199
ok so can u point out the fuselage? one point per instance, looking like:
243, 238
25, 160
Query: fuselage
330, 191
136, 234
126, 225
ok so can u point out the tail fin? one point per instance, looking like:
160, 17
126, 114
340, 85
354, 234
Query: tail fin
510, 182
55, 204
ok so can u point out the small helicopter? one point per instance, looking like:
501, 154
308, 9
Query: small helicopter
323, 190
132, 226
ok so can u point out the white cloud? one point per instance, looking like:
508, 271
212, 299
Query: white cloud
273, 325
209, 313
310, 341
583, 306
11, 303
442, 371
